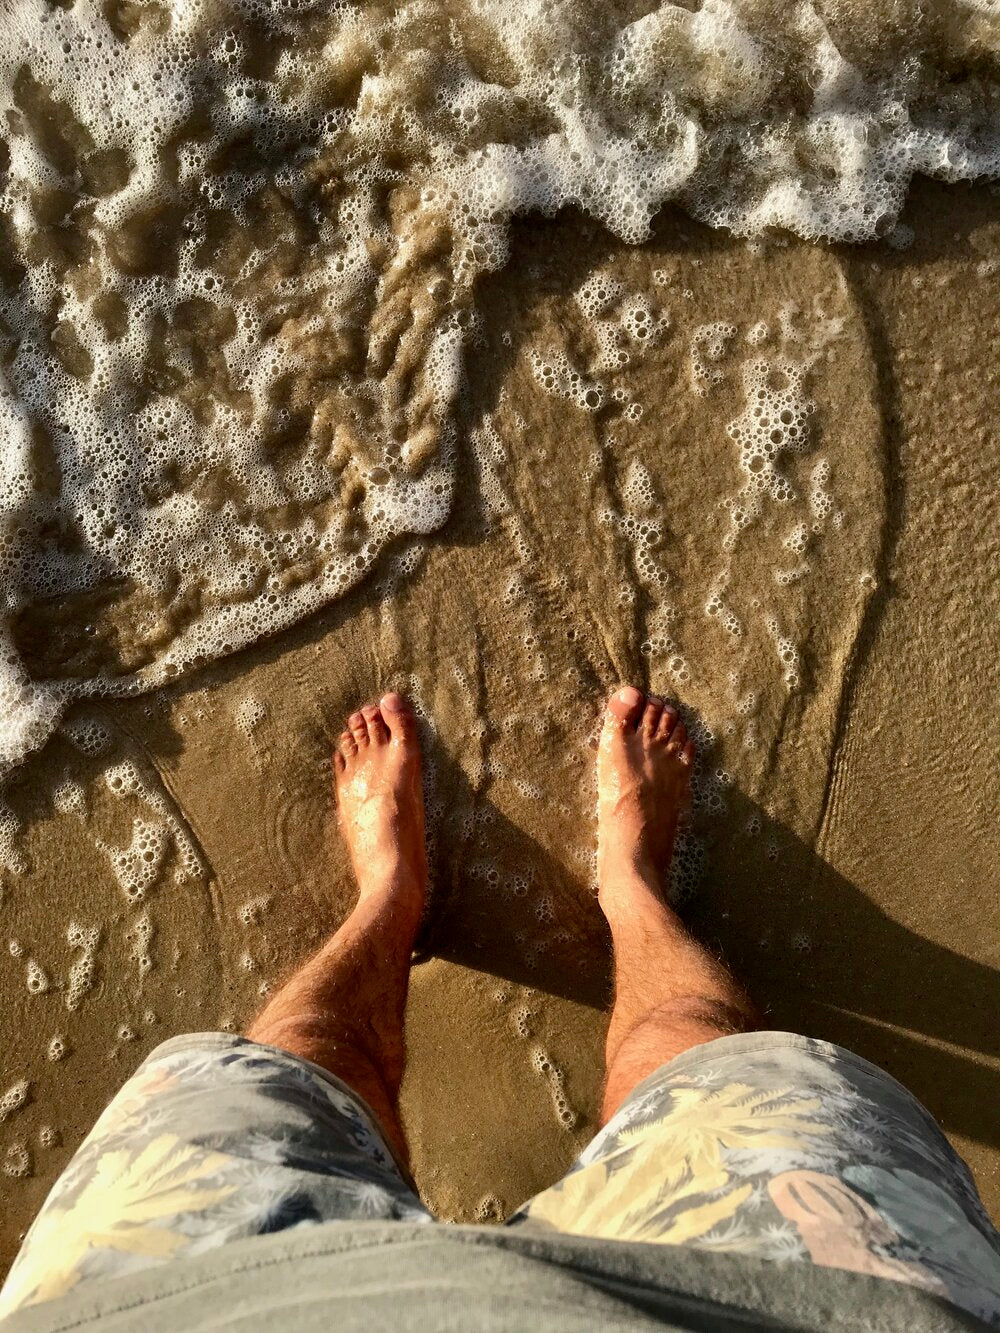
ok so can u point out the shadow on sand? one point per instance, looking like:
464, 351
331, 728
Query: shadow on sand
816, 954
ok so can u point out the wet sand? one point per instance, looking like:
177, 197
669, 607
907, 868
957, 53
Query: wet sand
848, 823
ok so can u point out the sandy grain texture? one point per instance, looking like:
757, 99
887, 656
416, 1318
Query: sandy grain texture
847, 819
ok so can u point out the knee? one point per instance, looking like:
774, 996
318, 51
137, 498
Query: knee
726, 1018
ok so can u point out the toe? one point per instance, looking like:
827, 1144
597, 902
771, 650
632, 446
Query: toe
339, 762
687, 754
378, 732
398, 717
678, 739
668, 720
625, 706
358, 728
651, 716
348, 749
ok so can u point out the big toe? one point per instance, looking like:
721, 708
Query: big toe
398, 717
625, 706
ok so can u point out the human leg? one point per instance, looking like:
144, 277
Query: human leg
764, 1144
343, 1009
670, 993
217, 1138
214, 1139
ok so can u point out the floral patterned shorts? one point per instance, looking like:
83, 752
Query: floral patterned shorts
767, 1144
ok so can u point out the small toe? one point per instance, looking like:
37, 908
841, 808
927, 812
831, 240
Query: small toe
688, 753
678, 739
651, 715
378, 732
625, 706
348, 748
668, 720
339, 762
358, 728
398, 717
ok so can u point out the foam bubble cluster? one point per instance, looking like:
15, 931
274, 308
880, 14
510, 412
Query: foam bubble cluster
17, 1162
141, 934
774, 421
37, 979
543, 1064
82, 973
240, 243
708, 345
69, 798
58, 1048
14, 1098
137, 867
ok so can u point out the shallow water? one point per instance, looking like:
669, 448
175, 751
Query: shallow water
285, 331
241, 249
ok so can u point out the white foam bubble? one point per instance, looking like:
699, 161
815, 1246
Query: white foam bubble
797, 540
69, 798
774, 421
83, 970
88, 734
18, 1162
37, 979
598, 293
250, 712
141, 933
788, 654
490, 1209
554, 373
543, 1064
716, 607
58, 1047
252, 911
14, 1098
138, 866
12, 855
238, 430
708, 346
820, 499
758, 333
126, 780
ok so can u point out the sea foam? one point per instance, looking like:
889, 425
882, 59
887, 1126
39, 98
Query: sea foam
240, 242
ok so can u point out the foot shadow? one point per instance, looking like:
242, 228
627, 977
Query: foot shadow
501, 903
816, 954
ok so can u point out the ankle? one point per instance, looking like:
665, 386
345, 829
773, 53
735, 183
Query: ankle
397, 889
628, 890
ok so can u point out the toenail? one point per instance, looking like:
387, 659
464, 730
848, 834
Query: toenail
393, 702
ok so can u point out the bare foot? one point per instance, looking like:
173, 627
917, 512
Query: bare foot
381, 802
644, 763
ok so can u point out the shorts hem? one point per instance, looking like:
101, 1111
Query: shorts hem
760, 1043
223, 1041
